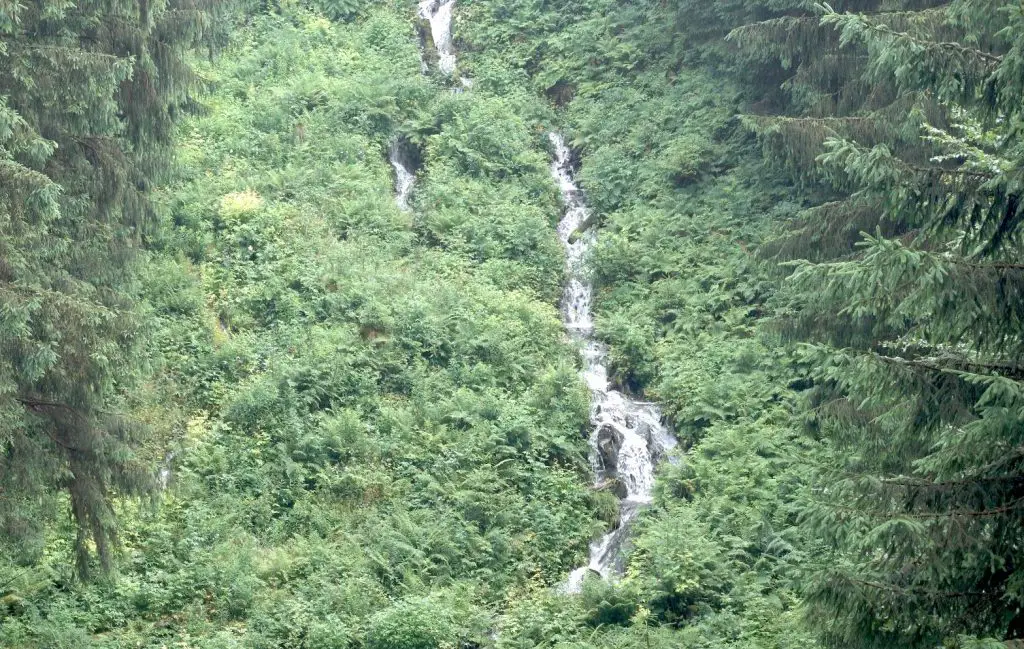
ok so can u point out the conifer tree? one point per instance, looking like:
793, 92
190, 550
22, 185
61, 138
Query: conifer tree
905, 118
88, 95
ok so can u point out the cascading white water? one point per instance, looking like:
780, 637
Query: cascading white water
628, 437
439, 14
404, 176
164, 474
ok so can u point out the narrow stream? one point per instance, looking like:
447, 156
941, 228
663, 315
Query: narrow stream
628, 436
165, 472
438, 13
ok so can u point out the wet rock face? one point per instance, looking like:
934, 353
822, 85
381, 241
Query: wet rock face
561, 93
609, 443
621, 491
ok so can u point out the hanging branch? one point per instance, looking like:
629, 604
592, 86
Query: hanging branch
878, 514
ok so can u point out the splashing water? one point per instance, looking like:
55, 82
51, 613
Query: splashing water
629, 437
404, 176
439, 14
165, 473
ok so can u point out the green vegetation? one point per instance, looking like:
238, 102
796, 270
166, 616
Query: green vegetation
374, 419
87, 98
283, 412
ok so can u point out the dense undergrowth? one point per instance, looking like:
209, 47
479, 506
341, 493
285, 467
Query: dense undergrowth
844, 495
376, 423
370, 426
378, 427
683, 202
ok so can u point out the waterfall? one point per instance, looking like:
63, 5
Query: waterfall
439, 14
628, 436
164, 475
405, 178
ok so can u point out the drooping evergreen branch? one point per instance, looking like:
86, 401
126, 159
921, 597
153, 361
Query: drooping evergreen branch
889, 515
966, 172
992, 59
990, 266
1015, 371
39, 404
899, 590
831, 17
920, 483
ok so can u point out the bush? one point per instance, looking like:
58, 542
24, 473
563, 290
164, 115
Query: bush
438, 621
609, 603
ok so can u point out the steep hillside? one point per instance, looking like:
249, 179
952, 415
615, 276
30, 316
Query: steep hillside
344, 324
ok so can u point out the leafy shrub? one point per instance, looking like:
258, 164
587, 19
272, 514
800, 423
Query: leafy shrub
680, 568
609, 603
339, 9
441, 621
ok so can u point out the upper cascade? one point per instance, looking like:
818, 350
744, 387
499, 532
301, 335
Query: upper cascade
628, 436
439, 14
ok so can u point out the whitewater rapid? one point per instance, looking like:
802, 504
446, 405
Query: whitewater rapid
439, 15
628, 436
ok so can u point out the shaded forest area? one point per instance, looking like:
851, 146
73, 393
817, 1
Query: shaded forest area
248, 400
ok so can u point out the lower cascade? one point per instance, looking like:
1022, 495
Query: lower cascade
405, 177
628, 436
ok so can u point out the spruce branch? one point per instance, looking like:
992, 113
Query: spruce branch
1015, 370
898, 590
834, 18
879, 514
921, 483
